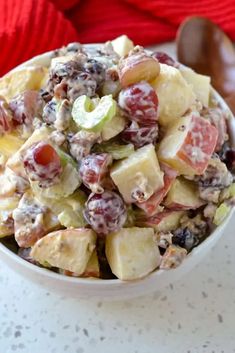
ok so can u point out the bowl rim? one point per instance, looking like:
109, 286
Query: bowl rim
213, 237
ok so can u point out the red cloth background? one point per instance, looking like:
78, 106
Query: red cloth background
30, 27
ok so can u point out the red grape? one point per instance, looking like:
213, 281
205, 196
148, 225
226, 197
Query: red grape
94, 169
140, 135
164, 58
105, 212
140, 103
25, 107
42, 163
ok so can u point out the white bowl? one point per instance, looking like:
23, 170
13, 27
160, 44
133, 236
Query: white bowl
108, 289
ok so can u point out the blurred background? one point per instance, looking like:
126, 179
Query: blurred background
30, 27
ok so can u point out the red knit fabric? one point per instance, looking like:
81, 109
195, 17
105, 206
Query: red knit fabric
65, 4
175, 11
96, 23
30, 27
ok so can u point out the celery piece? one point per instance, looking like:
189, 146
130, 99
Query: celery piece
65, 158
221, 213
117, 151
91, 117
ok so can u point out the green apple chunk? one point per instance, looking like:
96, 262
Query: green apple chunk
221, 213
93, 267
183, 195
69, 210
65, 158
122, 45
138, 175
175, 95
132, 253
68, 249
113, 127
200, 84
10, 144
89, 115
68, 183
7, 206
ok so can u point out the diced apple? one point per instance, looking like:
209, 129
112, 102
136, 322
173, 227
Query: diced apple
11, 183
69, 181
132, 253
93, 268
113, 127
200, 83
69, 210
122, 45
68, 249
7, 206
151, 205
9, 203
175, 95
61, 60
183, 195
166, 221
20, 80
15, 161
31, 220
137, 66
188, 144
6, 230
139, 175
10, 144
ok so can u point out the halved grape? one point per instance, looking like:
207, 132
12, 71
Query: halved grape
93, 170
140, 103
42, 163
140, 135
164, 58
91, 117
105, 212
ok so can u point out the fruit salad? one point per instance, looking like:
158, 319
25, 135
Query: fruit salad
115, 161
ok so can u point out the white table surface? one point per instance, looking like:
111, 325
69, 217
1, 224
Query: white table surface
195, 315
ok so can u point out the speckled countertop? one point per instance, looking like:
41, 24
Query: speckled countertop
195, 315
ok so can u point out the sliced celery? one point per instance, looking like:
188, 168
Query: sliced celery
117, 151
91, 117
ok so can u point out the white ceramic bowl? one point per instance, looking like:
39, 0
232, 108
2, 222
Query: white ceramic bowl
108, 289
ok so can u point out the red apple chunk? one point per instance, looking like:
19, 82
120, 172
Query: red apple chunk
188, 145
151, 205
183, 195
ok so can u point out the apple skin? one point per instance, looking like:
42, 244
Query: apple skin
139, 171
175, 95
150, 207
188, 144
137, 66
165, 221
183, 195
